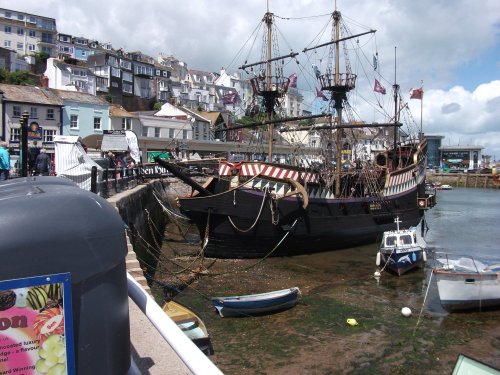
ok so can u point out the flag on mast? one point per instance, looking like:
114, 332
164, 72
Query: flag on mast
417, 93
378, 87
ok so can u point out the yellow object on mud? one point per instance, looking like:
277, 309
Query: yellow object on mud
352, 322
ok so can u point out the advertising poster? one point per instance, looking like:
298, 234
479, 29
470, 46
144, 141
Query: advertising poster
36, 334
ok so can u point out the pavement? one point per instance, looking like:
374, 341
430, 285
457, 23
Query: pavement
150, 352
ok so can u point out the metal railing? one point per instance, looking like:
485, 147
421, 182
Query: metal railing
188, 352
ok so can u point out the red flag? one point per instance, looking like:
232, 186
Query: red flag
417, 93
319, 94
378, 87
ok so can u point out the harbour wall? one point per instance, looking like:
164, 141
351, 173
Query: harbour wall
469, 180
145, 222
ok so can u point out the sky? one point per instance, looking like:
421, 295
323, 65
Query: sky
450, 48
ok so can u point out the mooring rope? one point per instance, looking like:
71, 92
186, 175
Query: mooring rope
168, 211
423, 305
257, 218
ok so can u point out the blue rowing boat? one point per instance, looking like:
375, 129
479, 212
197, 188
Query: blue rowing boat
256, 304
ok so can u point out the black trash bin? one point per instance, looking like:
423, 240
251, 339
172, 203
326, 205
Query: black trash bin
50, 226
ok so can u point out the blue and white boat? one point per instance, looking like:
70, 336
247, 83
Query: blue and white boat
256, 304
401, 250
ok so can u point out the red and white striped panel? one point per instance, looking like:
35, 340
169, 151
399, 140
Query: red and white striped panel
253, 169
400, 179
225, 169
250, 169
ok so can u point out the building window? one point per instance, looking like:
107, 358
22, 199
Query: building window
127, 87
15, 134
31, 47
171, 133
125, 64
157, 132
47, 50
16, 111
20, 31
47, 38
50, 113
34, 112
73, 124
7, 29
97, 123
32, 33
48, 135
20, 17
8, 14
20, 46
158, 72
6, 43
115, 72
184, 134
144, 131
126, 123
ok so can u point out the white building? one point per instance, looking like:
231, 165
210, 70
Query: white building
62, 76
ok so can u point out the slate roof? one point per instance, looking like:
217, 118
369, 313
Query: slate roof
30, 94
80, 97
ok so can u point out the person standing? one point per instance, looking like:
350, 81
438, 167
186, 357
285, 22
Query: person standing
4, 161
42, 163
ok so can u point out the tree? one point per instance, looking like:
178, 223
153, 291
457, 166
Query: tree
157, 106
16, 78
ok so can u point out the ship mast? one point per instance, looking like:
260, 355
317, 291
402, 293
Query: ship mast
269, 115
339, 84
271, 88
395, 158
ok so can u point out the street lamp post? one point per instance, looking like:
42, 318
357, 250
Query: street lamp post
24, 143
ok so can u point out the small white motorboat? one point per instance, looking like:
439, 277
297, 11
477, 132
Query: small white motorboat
465, 283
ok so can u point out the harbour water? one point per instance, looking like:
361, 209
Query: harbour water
313, 337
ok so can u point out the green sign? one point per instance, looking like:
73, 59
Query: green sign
157, 154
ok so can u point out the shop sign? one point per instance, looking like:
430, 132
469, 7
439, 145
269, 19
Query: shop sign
36, 326
35, 131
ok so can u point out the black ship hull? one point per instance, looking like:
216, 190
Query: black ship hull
247, 223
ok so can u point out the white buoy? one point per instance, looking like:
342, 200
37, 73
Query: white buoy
376, 274
406, 312
424, 255
377, 261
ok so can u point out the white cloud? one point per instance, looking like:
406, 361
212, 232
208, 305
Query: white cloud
443, 43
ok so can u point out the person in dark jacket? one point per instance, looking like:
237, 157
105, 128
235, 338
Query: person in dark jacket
42, 163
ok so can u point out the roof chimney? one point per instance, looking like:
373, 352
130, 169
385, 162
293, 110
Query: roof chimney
45, 82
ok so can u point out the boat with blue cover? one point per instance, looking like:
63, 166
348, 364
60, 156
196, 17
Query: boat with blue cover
256, 304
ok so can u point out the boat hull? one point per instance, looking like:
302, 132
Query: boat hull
232, 224
468, 291
401, 261
191, 324
256, 304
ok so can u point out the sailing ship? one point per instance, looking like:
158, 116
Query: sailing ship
257, 209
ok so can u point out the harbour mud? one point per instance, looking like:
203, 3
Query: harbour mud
314, 337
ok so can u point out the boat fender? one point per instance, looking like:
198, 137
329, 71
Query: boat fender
424, 256
406, 312
352, 322
377, 261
